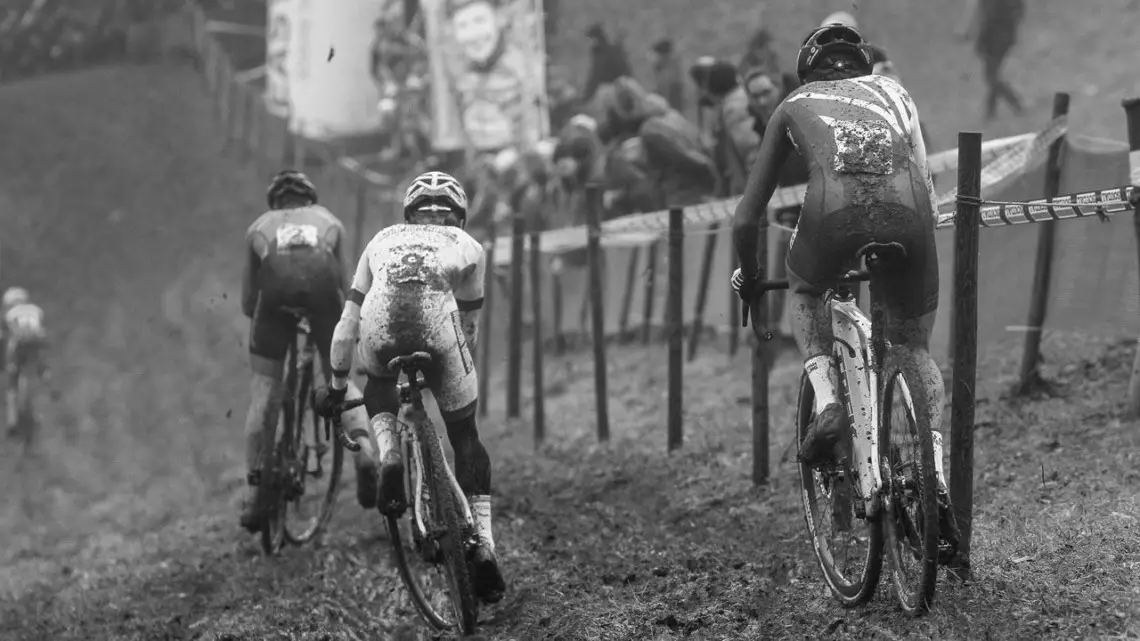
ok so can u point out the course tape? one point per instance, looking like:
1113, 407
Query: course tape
1078, 205
1010, 155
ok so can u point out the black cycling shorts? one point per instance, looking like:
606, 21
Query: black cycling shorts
825, 245
309, 281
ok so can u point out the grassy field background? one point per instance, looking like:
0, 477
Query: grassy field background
124, 216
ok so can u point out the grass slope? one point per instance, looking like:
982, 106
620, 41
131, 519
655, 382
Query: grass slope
114, 192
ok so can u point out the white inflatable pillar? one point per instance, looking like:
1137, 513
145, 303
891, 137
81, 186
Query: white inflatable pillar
317, 66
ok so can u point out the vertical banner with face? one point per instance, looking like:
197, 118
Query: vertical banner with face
488, 69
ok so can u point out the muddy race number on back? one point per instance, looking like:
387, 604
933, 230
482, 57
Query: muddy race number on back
294, 236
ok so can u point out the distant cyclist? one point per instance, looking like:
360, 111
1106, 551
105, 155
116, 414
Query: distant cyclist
869, 182
24, 339
419, 287
293, 266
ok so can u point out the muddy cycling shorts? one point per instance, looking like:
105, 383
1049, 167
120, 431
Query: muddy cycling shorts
307, 282
825, 245
396, 320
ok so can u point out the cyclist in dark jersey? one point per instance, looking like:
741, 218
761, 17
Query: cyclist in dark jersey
293, 265
868, 182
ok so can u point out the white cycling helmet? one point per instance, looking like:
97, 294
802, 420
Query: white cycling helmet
436, 188
840, 17
15, 296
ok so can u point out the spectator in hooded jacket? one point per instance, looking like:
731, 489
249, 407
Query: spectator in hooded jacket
608, 61
678, 164
667, 74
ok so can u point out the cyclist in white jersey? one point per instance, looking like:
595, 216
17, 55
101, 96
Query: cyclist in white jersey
24, 336
419, 287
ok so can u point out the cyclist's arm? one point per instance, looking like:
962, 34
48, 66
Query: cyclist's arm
469, 293
762, 183
336, 239
348, 328
918, 147
249, 291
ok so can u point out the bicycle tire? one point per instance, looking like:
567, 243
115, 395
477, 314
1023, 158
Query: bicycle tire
849, 593
453, 537
275, 475
400, 554
25, 427
900, 530
305, 405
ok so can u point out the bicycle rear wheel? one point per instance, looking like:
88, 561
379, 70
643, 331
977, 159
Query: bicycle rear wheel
276, 474
849, 554
446, 542
310, 510
416, 555
911, 486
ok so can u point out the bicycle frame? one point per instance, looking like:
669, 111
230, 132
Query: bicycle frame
856, 354
413, 418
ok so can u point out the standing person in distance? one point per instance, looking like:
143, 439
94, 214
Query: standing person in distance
294, 261
993, 25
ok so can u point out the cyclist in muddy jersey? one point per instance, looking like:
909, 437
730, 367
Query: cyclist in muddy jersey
419, 287
868, 182
293, 268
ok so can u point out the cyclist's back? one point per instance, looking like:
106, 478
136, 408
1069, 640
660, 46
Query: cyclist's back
422, 276
298, 254
868, 182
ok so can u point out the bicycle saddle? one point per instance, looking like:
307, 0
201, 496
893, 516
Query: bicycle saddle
415, 361
886, 251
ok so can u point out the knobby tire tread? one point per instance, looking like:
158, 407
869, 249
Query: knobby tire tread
919, 600
856, 593
400, 552
446, 508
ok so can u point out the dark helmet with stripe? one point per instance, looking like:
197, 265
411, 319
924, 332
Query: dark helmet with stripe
830, 39
290, 181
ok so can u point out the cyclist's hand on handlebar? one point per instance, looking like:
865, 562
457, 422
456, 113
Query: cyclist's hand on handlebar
329, 401
744, 286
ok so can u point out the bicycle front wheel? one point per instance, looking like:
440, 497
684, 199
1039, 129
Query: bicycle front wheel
416, 553
911, 484
451, 532
317, 467
849, 549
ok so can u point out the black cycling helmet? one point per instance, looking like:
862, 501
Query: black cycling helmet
290, 181
833, 38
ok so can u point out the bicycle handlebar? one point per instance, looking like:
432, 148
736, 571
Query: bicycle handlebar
765, 286
345, 440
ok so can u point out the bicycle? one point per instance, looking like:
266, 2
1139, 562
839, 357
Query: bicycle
298, 451
442, 531
903, 504
25, 427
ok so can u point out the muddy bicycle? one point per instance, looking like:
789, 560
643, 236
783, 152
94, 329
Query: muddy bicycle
442, 530
31, 372
893, 482
293, 510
